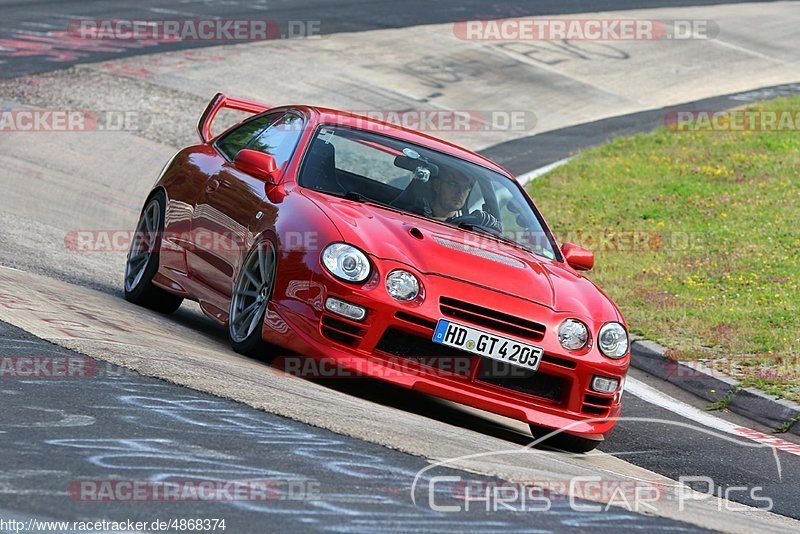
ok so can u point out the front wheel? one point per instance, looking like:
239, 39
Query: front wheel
564, 441
251, 294
142, 261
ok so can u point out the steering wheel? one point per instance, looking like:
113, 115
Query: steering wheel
480, 219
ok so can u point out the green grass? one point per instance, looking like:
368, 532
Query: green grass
697, 238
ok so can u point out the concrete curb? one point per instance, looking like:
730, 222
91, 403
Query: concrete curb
713, 386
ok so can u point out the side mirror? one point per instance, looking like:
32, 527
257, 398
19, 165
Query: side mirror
257, 164
579, 258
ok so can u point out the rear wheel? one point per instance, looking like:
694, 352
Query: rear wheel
564, 441
251, 294
142, 262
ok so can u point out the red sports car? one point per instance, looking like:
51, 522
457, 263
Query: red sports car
394, 255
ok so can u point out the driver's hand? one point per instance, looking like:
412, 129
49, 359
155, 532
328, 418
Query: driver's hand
486, 219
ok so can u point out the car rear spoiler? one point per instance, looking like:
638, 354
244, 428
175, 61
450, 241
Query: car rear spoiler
222, 101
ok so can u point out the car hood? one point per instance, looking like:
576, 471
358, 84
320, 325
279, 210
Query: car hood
440, 250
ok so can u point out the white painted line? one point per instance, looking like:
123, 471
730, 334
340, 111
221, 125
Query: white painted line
189, 14
749, 51
11, 268
541, 171
661, 399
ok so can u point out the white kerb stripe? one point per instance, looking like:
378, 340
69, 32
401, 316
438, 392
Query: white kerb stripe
658, 398
536, 173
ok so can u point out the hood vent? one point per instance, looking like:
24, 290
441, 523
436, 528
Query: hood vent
481, 253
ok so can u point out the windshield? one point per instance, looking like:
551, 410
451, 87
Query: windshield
369, 167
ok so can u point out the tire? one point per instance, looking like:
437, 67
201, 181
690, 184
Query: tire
564, 441
251, 295
142, 261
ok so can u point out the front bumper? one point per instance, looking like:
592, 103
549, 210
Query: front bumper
393, 344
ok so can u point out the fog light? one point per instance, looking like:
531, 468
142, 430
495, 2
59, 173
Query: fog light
604, 385
345, 309
402, 285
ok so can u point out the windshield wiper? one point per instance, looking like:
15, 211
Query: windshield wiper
355, 196
347, 195
480, 228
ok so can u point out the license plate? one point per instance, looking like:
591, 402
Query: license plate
488, 345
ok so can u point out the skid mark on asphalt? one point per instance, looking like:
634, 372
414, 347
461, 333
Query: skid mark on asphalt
150, 431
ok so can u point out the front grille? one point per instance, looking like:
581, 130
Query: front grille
534, 383
425, 352
341, 331
493, 319
595, 404
562, 362
415, 319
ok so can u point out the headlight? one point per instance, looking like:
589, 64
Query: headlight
402, 285
573, 334
613, 340
346, 262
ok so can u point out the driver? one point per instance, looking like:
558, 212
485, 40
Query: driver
450, 192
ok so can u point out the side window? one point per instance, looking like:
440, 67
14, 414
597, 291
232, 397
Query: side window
519, 222
280, 139
366, 161
510, 212
475, 201
240, 137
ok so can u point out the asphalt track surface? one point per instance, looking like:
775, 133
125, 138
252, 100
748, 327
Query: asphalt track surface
133, 428
168, 436
34, 36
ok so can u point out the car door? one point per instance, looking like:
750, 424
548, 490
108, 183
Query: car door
233, 200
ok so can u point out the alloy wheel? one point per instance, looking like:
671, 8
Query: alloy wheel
252, 292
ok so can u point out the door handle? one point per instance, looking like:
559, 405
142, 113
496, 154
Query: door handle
212, 186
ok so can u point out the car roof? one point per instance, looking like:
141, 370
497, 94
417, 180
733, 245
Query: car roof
323, 115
